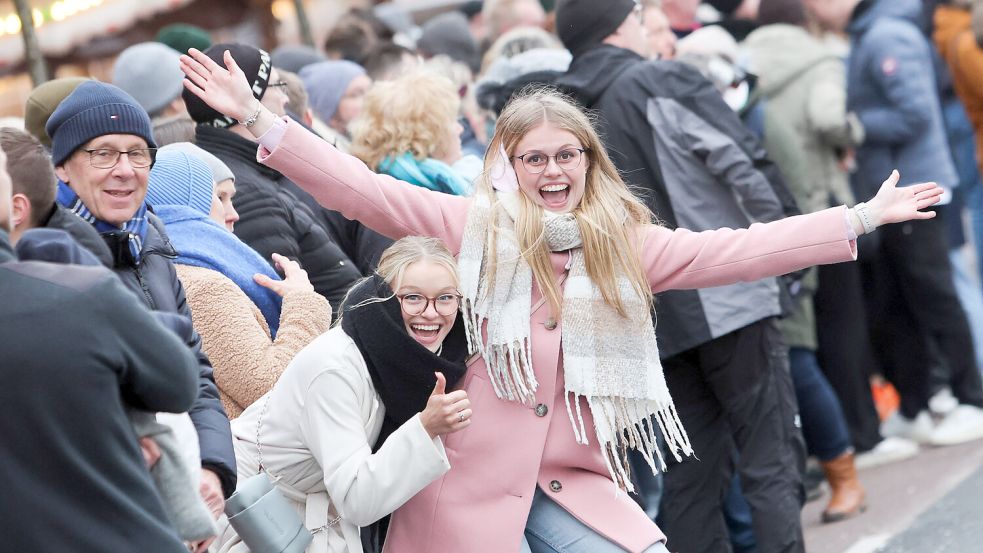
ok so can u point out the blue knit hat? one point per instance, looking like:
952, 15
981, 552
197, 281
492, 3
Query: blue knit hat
92, 110
179, 178
326, 82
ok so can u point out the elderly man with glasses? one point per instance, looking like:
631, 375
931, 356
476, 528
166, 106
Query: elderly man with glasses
102, 149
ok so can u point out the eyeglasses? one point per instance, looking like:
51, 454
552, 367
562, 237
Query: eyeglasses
277, 84
103, 158
416, 304
536, 162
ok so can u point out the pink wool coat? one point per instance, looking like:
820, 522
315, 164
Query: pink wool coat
482, 503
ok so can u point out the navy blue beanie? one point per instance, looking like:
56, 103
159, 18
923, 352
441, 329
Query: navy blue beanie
92, 110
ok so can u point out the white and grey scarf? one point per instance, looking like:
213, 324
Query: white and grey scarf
610, 360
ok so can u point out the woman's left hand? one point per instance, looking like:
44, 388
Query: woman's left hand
897, 205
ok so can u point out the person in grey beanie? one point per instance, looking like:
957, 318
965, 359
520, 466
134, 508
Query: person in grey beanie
151, 73
448, 34
335, 90
294, 57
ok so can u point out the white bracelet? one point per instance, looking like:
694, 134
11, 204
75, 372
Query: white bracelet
252, 118
863, 213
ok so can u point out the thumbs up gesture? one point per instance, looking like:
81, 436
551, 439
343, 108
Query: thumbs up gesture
445, 413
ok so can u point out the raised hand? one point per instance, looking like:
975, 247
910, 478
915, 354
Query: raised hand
295, 279
445, 413
896, 205
225, 89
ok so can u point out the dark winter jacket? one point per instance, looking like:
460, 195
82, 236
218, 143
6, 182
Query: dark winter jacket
156, 282
275, 220
891, 87
77, 349
361, 244
695, 164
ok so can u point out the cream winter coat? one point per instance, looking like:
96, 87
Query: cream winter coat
317, 436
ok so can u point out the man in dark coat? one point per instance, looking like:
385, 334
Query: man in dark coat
102, 149
77, 350
693, 162
273, 218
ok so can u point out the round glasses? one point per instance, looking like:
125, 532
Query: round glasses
416, 304
103, 158
536, 162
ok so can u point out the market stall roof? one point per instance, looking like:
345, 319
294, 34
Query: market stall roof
65, 25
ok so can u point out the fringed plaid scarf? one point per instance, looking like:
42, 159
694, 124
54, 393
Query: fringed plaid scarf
611, 361
135, 228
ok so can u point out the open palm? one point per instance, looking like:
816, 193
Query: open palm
225, 89
896, 205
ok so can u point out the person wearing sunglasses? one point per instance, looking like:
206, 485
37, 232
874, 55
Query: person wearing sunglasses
354, 426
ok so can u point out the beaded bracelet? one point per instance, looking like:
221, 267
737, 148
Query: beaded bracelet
255, 116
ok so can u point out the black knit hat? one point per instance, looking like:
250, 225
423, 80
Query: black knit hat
253, 62
582, 24
92, 110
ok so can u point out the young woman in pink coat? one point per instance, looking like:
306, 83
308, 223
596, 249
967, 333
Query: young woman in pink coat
558, 265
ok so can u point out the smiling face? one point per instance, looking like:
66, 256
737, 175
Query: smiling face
428, 279
112, 195
556, 188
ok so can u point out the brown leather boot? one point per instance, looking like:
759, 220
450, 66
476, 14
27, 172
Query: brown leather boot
847, 497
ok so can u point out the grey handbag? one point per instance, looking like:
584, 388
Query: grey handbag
265, 521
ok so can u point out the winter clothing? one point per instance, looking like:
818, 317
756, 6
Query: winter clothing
954, 40
539, 450
326, 83
220, 171
236, 338
581, 26
321, 425
255, 65
94, 109
151, 73
402, 370
428, 173
274, 219
806, 126
181, 179
75, 462
847, 497
294, 57
891, 88
506, 76
672, 136
43, 100
448, 34
131, 233
181, 37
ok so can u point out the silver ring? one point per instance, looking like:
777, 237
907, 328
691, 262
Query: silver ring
460, 415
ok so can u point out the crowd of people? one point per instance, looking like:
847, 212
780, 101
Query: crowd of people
536, 277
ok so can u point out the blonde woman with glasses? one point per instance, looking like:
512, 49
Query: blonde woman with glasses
355, 425
558, 263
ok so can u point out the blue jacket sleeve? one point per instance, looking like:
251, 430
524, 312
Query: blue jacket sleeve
207, 413
899, 64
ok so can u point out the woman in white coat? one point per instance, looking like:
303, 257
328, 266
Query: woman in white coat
352, 428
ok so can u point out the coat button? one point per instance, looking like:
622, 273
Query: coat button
550, 323
556, 485
541, 410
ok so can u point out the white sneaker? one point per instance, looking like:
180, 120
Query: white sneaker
963, 424
943, 402
889, 450
918, 430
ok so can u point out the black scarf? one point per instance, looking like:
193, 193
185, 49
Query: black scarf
402, 370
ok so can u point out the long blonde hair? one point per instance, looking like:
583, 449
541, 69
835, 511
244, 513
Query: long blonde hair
608, 216
396, 258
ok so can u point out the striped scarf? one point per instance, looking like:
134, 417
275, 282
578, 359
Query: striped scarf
135, 228
611, 361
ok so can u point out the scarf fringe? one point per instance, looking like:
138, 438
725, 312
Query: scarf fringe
623, 423
509, 365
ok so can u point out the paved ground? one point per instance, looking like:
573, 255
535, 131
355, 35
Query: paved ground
930, 504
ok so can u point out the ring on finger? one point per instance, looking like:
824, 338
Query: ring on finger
460, 416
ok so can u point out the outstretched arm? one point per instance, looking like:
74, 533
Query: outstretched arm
336, 180
685, 259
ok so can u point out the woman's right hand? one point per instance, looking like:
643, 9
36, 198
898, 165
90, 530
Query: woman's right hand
294, 278
445, 413
225, 89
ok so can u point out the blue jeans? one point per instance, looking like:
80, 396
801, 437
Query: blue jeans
823, 424
551, 529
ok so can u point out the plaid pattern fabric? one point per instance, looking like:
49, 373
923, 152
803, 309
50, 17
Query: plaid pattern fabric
611, 361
